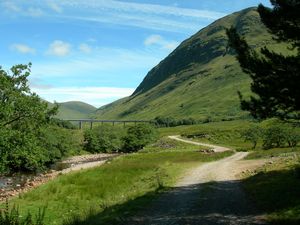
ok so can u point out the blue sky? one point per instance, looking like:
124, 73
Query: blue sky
98, 51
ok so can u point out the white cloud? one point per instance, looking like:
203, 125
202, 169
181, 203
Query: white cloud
96, 96
59, 48
148, 16
10, 6
171, 45
106, 61
143, 8
85, 48
22, 48
35, 12
158, 40
153, 39
55, 7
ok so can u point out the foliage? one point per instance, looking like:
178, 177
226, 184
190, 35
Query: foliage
252, 134
139, 136
274, 136
109, 139
104, 139
63, 123
162, 121
279, 134
29, 139
104, 189
292, 137
19, 106
12, 217
275, 76
206, 78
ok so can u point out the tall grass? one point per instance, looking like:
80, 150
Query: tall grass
116, 182
11, 216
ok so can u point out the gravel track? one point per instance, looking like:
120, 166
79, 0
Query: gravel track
215, 148
207, 195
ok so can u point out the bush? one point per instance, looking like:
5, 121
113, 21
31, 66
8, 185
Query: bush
292, 137
63, 124
104, 139
253, 135
161, 121
139, 136
22, 151
274, 136
29, 138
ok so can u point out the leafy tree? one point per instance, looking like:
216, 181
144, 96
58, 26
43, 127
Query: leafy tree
292, 137
19, 106
28, 139
104, 139
275, 77
274, 136
139, 136
253, 135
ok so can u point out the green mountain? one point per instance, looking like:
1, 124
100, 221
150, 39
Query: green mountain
74, 110
199, 79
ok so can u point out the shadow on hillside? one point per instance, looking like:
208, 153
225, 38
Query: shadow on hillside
213, 203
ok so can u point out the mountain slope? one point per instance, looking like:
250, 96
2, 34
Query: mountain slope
74, 110
199, 79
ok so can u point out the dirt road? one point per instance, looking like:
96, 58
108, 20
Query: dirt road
208, 195
213, 147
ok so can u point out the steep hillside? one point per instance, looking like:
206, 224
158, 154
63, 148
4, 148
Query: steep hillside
75, 110
199, 79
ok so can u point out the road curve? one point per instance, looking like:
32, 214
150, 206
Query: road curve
215, 148
209, 194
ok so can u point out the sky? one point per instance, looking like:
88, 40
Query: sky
98, 51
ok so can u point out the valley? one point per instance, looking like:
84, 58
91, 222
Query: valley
211, 135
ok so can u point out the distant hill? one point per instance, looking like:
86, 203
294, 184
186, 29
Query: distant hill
199, 79
75, 110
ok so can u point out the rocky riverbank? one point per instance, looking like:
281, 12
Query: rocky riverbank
21, 183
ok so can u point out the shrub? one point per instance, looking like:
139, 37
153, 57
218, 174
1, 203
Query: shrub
253, 135
104, 139
292, 137
28, 140
161, 121
21, 151
139, 136
274, 136
63, 123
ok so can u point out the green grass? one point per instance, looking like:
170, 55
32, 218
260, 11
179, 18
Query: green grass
116, 183
200, 79
74, 110
166, 144
225, 133
275, 152
276, 191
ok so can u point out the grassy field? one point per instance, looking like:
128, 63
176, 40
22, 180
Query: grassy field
225, 133
125, 184
276, 190
200, 79
74, 110
104, 190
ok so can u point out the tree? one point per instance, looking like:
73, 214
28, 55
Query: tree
275, 77
19, 107
139, 136
23, 119
253, 134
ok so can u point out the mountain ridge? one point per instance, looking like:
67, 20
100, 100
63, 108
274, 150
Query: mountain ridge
199, 79
74, 110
